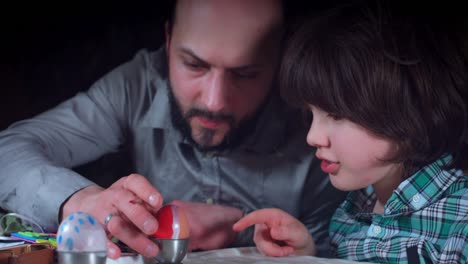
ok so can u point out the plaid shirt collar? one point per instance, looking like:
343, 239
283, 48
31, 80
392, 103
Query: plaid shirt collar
418, 191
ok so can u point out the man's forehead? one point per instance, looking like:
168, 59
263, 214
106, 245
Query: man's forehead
257, 13
226, 32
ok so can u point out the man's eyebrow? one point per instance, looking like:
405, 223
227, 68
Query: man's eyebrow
251, 67
190, 53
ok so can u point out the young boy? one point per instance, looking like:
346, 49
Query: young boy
388, 93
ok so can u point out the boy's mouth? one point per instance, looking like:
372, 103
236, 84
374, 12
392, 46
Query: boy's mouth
329, 167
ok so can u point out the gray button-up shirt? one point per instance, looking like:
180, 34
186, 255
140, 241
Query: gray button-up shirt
129, 106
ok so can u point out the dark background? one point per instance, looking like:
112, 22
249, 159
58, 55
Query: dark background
49, 55
50, 52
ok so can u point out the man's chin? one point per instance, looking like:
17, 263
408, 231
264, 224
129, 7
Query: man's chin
209, 145
208, 148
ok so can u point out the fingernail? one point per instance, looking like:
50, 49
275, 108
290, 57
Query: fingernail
154, 199
112, 251
151, 250
149, 226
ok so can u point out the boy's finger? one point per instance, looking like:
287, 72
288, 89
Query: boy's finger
262, 216
270, 248
292, 235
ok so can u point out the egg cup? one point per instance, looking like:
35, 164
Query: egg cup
81, 239
81, 257
171, 251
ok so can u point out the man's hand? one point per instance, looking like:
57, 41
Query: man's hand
277, 233
133, 201
210, 225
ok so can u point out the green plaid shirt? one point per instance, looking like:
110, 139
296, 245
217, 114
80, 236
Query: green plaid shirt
425, 219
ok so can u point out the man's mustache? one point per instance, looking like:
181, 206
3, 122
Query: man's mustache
193, 112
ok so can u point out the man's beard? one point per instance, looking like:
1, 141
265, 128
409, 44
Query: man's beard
233, 137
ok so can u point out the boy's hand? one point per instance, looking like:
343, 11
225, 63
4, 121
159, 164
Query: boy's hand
277, 233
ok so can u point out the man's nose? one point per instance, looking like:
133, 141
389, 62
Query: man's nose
215, 91
317, 135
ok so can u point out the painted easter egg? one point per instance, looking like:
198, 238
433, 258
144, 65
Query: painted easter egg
80, 232
173, 223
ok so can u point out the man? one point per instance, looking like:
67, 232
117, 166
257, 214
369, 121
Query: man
206, 130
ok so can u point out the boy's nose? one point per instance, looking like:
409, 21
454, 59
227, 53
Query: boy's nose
317, 135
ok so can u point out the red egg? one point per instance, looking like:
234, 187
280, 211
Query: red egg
173, 223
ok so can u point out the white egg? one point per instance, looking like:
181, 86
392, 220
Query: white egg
80, 232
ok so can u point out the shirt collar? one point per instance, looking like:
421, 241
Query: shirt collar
422, 189
268, 134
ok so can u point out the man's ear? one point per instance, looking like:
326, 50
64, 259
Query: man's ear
168, 36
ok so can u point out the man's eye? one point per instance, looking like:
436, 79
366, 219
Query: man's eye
245, 74
194, 66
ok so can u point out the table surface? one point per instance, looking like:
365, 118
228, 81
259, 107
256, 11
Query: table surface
234, 256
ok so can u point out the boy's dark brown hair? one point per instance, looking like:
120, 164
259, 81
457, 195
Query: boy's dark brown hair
396, 71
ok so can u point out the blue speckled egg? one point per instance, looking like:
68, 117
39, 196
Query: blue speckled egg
80, 232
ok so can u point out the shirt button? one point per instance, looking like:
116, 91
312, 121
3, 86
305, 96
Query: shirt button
416, 198
377, 230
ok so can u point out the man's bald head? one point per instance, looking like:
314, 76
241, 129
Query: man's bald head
223, 56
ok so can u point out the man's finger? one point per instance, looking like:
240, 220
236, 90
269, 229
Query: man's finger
127, 205
140, 186
113, 251
129, 235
